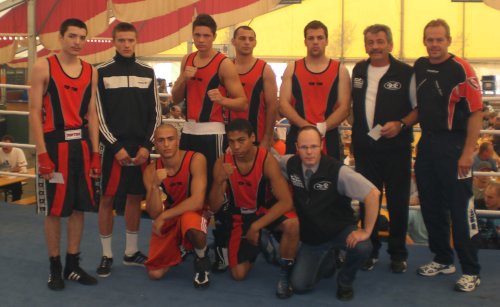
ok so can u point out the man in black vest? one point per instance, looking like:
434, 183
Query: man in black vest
383, 92
322, 192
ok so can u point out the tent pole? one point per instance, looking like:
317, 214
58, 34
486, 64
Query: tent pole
31, 35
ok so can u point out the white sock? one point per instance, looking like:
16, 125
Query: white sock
131, 243
106, 245
200, 252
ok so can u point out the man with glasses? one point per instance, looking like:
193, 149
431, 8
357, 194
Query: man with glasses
322, 192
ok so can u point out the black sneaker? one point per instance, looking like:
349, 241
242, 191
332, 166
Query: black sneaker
284, 288
104, 269
136, 259
220, 264
344, 293
55, 281
369, 264
79, 275
201, 272
398, 266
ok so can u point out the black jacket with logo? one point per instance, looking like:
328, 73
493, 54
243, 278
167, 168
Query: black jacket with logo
323, 213
392, 104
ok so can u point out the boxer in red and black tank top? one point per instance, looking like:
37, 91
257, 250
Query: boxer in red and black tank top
253, 84
198, 106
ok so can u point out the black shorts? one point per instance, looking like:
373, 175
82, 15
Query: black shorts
239, 249
72, 160
118, 179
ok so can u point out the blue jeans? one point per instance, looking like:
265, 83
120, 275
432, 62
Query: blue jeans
313, 261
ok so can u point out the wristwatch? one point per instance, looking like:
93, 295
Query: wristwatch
403, 125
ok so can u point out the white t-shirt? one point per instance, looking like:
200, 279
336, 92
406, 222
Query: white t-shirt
15, 158
374, 76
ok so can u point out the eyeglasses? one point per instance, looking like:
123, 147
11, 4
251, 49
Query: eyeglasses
311, 147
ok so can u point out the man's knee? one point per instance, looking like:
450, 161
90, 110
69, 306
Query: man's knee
239, 272
299, 285
290, 227
157, 274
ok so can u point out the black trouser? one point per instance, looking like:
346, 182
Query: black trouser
390, 169
443, 197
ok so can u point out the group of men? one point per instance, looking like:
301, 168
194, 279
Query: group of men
235, 102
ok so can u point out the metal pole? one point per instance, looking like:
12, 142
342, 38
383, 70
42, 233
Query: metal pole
31, 35
342, 35
402, 28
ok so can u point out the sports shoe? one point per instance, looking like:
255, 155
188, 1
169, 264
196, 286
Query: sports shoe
79, 275
467, 283
104, 269
136, 259
398, 266
434, 268
284, 287
202, 272
220, 264
345, 293
55, 281
369, 264
73, 271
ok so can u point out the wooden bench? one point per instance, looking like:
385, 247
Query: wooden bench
30, 200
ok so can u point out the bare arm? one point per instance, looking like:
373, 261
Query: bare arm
38, 81
473, 126
285, 102
271, 100
179, 88
343, 106
221, 174
371, 202
237, 100
152, 181
280, 190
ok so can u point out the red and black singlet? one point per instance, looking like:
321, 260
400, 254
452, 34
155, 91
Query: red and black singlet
253, 84
315, 94
248, 191
199, 107
66, 101
177, 187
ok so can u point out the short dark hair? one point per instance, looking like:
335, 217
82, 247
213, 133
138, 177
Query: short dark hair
166, 126
123, 27
235, 33
316, 24
374, 29
307, 128
439, 23
205, 20
8, 137
71, 22
241, 125
484, 147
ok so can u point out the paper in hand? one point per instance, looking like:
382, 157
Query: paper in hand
375, 132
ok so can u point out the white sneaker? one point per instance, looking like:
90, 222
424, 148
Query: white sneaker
467, 283
434, 268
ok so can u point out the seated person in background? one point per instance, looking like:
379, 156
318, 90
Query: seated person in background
479, 183
489, 228
178, 220
12, 159
485, 154
175, 112
243, 177
416, 228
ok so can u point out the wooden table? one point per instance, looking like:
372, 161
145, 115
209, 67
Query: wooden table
6, 180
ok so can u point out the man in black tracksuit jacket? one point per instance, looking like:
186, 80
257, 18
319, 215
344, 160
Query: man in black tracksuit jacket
129, 111
383, 91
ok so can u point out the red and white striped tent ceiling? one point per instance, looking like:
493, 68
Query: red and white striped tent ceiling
161, 24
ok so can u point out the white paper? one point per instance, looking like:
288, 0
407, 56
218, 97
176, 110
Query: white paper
468, 175
57, 178
375, 132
